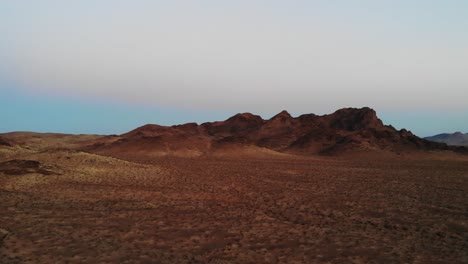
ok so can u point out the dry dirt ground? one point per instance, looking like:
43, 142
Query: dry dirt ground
62, 206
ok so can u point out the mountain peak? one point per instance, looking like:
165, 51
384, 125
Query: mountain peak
282, 115
244, 116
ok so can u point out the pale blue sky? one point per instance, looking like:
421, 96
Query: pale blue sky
109, 66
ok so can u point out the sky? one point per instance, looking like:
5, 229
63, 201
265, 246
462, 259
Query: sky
106, 67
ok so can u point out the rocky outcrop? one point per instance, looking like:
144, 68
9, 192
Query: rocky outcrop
353, 119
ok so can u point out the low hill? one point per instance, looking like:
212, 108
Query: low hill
46, 141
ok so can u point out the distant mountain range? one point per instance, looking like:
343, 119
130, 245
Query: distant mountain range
455, 139
346, 130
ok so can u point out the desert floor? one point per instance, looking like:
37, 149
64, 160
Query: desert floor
76, 207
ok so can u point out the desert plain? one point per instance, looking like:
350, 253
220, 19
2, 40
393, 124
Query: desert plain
63, 205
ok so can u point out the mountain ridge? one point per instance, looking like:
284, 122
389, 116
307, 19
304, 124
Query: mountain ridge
345, 130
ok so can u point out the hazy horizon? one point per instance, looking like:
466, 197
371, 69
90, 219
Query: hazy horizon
106, 67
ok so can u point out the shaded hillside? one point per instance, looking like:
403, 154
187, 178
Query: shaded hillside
4, 142
455, 139
345, 130
22, 167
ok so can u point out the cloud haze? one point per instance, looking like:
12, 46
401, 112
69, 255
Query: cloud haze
249, 55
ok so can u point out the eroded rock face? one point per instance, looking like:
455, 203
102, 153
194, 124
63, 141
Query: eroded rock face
353, 119
21, 167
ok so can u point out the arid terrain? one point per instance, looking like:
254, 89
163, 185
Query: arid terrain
69, 199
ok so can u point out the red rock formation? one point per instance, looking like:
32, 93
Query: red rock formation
345, 130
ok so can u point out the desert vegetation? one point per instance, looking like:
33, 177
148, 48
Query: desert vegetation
358, 208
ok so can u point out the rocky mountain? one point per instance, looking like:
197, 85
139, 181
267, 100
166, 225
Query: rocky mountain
348, 129
455, 139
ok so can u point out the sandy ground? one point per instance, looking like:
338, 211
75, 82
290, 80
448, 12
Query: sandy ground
355, 209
